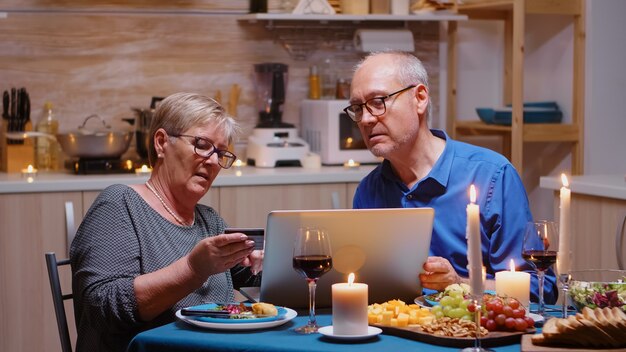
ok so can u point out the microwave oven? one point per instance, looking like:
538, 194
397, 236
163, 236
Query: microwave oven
332, 134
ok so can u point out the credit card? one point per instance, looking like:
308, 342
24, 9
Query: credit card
255, 234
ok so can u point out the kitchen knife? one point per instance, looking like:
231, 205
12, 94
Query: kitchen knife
5, 105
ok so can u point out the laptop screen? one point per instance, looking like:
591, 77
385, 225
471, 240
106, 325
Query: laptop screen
385, 248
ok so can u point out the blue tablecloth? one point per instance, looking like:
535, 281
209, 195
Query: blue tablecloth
180, 336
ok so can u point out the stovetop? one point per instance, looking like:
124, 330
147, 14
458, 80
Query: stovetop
101, 166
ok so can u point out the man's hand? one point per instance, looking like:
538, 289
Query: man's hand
438, 274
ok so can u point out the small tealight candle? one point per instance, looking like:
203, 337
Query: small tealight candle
29, 172
144, 170
515, 284
349, 307
351, 164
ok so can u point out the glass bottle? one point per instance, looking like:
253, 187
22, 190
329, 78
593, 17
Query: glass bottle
47, 148
329, 80
314, 83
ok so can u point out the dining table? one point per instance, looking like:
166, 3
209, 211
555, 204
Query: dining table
181, 336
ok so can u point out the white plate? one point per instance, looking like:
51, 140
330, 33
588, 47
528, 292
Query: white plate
328, 332
239, 326
536, 317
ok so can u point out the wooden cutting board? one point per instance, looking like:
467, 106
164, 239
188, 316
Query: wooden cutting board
528, 346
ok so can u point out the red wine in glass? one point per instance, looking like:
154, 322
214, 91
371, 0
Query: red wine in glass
312, 266
539, 249
541, 260
311, 259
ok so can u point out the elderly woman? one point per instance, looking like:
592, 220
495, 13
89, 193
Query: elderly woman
144, 251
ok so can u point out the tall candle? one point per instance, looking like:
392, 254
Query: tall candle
349, 308
563, 263
514, 284
474, 250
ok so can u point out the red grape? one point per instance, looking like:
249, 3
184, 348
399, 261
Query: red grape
471, 307
500, 318
520, 324
509, 323
483, 321
517, 313
491, 325
529, 321
513, 303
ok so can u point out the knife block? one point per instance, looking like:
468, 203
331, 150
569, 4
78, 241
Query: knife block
15, 157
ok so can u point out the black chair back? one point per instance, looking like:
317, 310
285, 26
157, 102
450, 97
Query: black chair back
58, 297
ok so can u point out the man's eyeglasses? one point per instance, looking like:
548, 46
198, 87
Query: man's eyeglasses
375, 106
204, 148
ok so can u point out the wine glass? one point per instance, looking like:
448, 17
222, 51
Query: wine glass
540, 250
311, 259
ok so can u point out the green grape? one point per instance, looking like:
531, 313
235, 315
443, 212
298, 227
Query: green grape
437, 309
438, 315
455, 294
446, 301
456, 300
446, 310
464, 303
456, 313
468, 317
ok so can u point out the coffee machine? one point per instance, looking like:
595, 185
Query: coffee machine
273, 142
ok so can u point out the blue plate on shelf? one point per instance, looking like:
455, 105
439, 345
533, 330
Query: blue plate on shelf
534, 112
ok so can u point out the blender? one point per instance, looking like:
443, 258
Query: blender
273, 142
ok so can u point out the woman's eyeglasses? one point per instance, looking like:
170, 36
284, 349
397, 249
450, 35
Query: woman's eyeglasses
204, 148
375, 106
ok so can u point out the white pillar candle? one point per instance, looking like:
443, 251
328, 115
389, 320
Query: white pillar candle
514, 284
349, 308
474, 250
563, 262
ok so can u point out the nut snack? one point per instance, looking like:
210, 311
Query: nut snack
595, 328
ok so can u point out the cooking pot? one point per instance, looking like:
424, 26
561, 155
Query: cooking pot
142, 127
100, 142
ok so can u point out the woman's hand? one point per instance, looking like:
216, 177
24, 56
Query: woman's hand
438, 274
254, 261
219, 253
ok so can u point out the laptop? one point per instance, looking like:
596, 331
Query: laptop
385, 248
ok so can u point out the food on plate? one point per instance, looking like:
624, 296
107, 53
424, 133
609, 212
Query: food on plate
262, 308
453, 327
398, 313
598, 294
454, 289
594, 328
244, 311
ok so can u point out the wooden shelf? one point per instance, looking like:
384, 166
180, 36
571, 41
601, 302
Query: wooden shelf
513, 13
430, 16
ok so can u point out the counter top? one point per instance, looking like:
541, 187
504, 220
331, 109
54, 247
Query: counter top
235, 176
610, 186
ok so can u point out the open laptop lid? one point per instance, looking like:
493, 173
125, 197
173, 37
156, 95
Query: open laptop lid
385, 248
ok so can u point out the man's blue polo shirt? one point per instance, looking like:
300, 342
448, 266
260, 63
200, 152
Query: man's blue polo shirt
504, 209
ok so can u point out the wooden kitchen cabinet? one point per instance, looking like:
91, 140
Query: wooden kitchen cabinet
248, 206
32, 224
513, 13
595, 221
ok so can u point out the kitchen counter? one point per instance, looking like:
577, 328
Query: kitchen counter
235, 176
609, 186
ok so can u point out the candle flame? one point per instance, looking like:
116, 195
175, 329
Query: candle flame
351, 162
144, 168
564, 180
512, 266
351, 279
30, 168
472, 194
